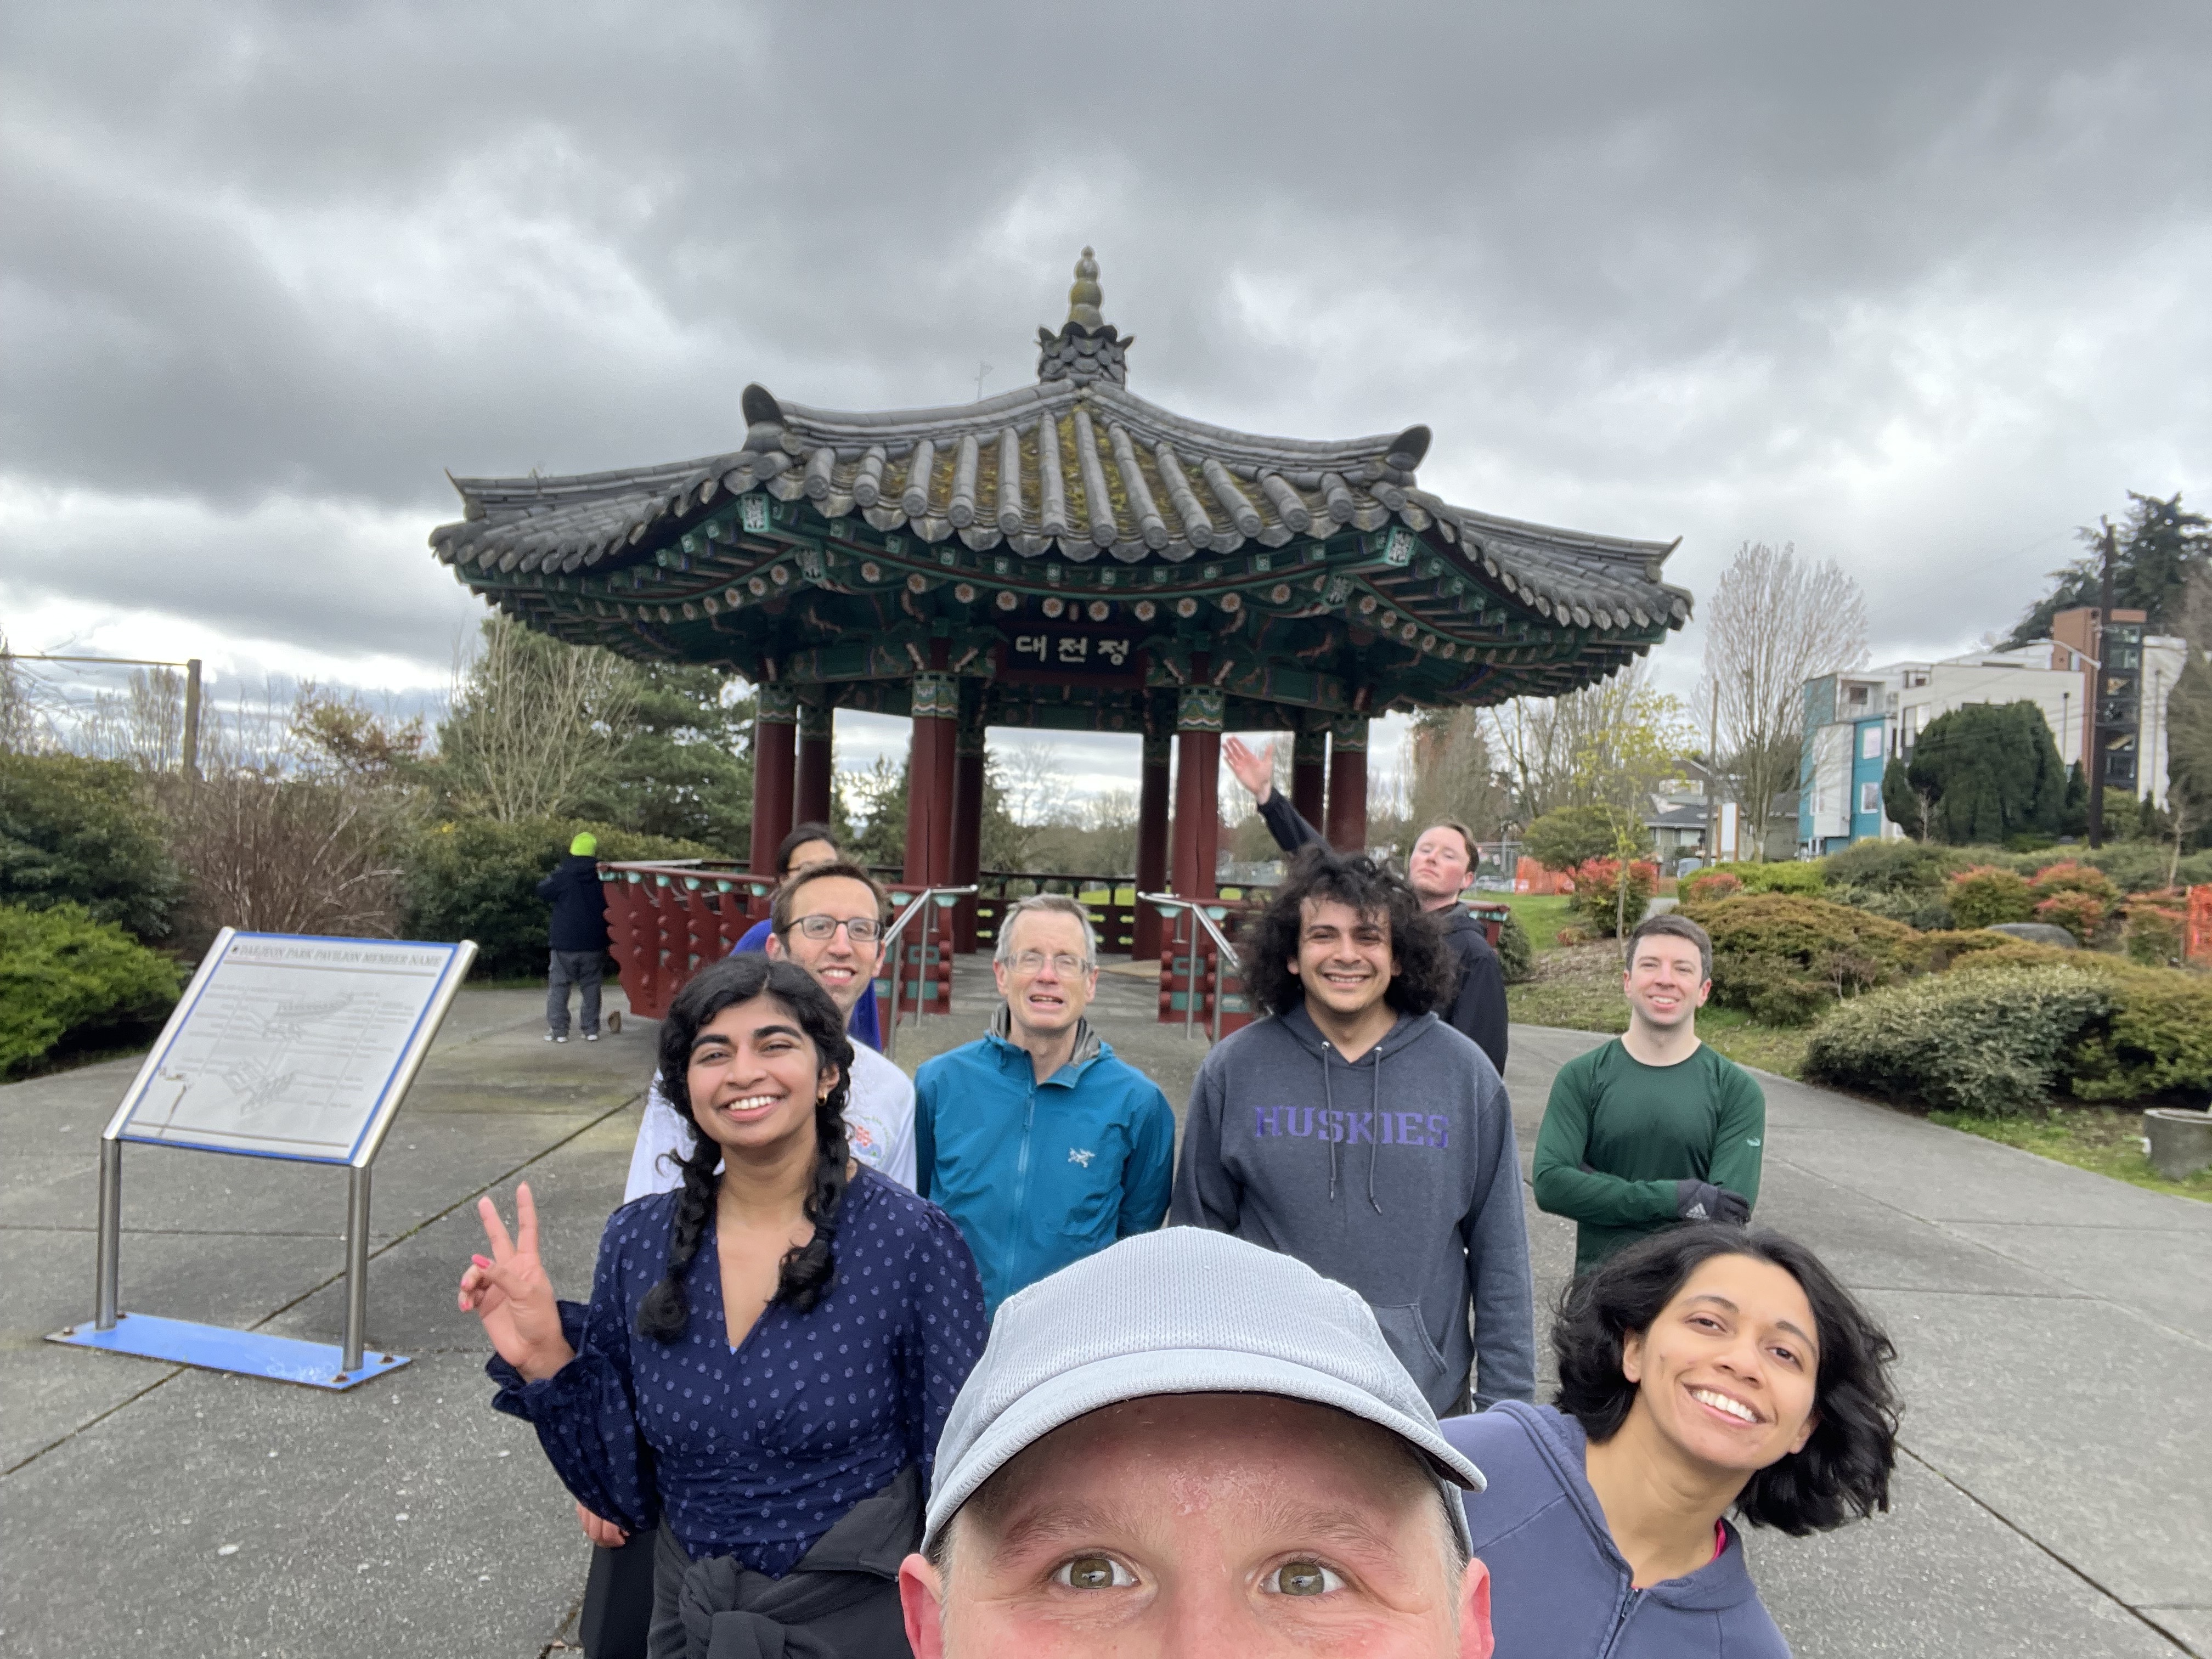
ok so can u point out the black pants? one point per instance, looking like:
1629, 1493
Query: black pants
618, 1600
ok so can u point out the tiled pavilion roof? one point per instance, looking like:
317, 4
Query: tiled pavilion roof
1071, 498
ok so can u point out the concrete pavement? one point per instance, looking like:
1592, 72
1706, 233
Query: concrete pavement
2054, 1327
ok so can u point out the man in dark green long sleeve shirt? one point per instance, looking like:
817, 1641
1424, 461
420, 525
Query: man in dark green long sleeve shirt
1654, 1128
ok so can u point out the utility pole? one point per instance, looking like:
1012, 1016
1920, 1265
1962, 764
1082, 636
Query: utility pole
1713, 780
2095, 735
191, 752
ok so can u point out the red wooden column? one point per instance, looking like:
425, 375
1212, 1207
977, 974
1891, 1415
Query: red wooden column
1197, 833
969, 749
816, 745
1347, 785
1309, 774
1152, 844
936, 708
775, 718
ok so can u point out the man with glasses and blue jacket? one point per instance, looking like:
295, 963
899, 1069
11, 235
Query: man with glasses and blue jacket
1040, 1145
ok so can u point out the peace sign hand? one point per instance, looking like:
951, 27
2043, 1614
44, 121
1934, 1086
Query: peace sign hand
511, 1294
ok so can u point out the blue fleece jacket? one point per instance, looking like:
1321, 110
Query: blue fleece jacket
1394, 1175
1558, 1588
1039, 1174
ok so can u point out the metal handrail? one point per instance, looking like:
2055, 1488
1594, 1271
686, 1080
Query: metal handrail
1227, 952
927, 899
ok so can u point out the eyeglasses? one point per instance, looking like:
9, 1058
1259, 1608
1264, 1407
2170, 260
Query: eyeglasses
861, 930
1032, 962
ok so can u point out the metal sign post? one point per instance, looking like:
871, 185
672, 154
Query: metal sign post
282, 1047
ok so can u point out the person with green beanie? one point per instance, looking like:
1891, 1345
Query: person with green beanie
579, 938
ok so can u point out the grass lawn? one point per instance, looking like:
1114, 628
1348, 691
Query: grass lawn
1578, 987
2107, 1139
1541, 916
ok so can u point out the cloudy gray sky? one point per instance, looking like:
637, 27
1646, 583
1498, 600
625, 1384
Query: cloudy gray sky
1918, 287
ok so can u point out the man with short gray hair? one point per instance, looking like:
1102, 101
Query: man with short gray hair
1187, 1443
1038, 1143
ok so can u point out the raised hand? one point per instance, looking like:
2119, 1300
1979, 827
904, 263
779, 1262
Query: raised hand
510, 1293
1254, 770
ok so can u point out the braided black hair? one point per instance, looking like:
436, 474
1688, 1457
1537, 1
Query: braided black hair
807, 1270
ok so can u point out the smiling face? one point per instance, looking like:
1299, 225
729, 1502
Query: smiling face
1726, 1374
1438, 871
844, 968
1046, 985
756, 1078
1666, 982
1345, 960
1208, 1524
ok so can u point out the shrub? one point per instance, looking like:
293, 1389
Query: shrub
1803, 875
1916, 908
63, 975
289, 855
1786, 959
478, 878
2156, 928
2156, 1039
2079, 913
1987, 1043
1515, 954
1892, 867
85, 832
1599, 901
2071, 876
1985, 893
1941, 947
1710, 886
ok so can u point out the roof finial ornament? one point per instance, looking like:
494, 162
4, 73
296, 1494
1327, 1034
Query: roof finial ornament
1083, 295
1087, 348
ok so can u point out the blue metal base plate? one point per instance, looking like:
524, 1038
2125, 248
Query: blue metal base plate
215, 1348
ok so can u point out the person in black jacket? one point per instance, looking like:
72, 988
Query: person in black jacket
1442, 865
579, 938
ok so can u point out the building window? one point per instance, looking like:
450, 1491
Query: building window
1869, 799
1871, 744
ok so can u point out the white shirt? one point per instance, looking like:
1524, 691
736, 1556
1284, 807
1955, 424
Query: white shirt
879, 1123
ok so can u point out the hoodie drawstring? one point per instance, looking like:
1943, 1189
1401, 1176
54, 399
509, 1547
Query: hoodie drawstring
1329, 1099
1374, 1142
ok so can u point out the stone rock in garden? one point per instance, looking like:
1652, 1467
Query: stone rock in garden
2035, 932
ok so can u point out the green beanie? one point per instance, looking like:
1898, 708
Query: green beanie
585, 845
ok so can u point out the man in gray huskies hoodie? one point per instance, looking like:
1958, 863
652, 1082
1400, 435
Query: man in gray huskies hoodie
1356, 1132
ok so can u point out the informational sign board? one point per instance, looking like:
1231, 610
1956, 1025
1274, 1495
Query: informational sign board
291, 1046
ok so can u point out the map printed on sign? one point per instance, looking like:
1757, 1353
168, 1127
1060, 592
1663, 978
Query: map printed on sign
289, 1046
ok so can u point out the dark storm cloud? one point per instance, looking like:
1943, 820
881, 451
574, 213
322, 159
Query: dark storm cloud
1912, 285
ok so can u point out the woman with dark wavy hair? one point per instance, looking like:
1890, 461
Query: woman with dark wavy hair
1703, 1370
770, 1350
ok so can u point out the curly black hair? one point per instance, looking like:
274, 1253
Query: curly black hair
1427, 975
1842, 1473
807, 1269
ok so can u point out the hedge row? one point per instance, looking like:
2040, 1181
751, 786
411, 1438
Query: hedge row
66, 977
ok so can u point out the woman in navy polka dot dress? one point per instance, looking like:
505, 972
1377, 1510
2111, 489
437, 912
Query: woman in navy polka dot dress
770, 1350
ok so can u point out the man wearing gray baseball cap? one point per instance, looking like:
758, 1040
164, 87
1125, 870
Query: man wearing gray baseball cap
1189, 1444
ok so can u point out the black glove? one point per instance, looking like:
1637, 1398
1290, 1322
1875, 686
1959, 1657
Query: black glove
1700, 1200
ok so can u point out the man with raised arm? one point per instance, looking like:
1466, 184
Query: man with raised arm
1356, 1132
1653, 1127
1038, 1143
1442, 865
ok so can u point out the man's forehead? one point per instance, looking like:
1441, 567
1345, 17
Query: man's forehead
1336, 912
839, 896
1049, 928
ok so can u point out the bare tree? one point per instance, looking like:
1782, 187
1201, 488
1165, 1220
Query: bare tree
534, 721
1450, 774
1773, 623
22, 724
1592, 747
1033, 784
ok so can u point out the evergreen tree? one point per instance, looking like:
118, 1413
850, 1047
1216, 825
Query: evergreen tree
682, 766
2074, 814
2155, 552
1989, 771
1898, 803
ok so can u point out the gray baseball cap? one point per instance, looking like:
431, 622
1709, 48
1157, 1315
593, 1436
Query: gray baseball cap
1183, 1310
